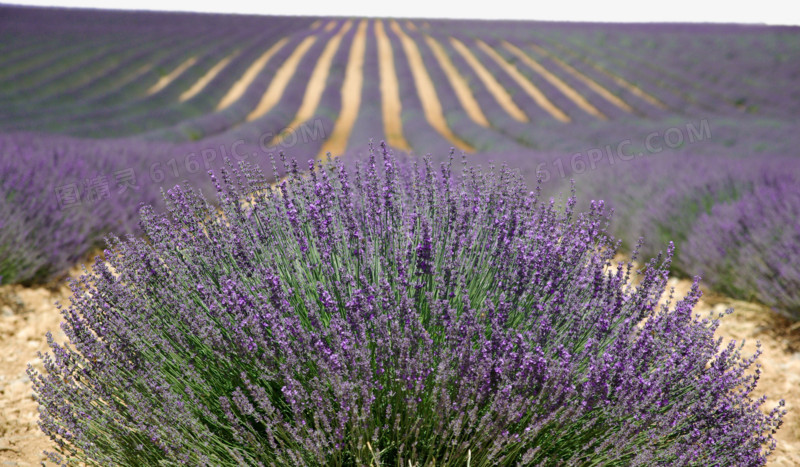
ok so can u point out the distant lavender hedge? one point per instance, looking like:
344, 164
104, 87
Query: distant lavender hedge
57, 200
60, 196
389, 316
750, 248
733, 221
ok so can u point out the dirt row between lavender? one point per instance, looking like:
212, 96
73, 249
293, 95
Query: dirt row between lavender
26, 314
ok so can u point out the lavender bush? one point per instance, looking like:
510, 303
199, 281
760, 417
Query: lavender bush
389, 316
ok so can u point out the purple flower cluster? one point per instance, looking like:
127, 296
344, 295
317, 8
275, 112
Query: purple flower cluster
387, 314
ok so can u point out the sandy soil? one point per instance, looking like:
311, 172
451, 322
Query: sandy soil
332, 24
536, 94
622, 82
431, 105
496, 89
351, 95
165, 80
316, 83
281, 79
240, 86
780, 361
206, 78
557, 82
589, 82
26, 314
391, 105
460, 85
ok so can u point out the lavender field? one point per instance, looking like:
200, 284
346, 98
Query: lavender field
376, 241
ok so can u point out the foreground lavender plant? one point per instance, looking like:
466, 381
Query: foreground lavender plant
389, 317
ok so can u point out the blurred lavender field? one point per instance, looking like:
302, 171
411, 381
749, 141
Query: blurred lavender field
688, 131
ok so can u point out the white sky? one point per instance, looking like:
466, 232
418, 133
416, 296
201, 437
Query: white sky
694, 11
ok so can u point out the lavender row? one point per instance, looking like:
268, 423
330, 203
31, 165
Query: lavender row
162, 61
535, 113
690, 62
421, 136
59, 196
479, 137
95, 66
750, 248
720, 62
309, 143
43, 233
642, 103
237, 112
32, 50
500, 120
369, 123
115, 94
705, 97
607, 110
104, 68
674, 95
702, 62
171, 113
165, 121
731, 219
592, 50
63, 101
283, 112
307, 137
31, 77
524, 40
574, 55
